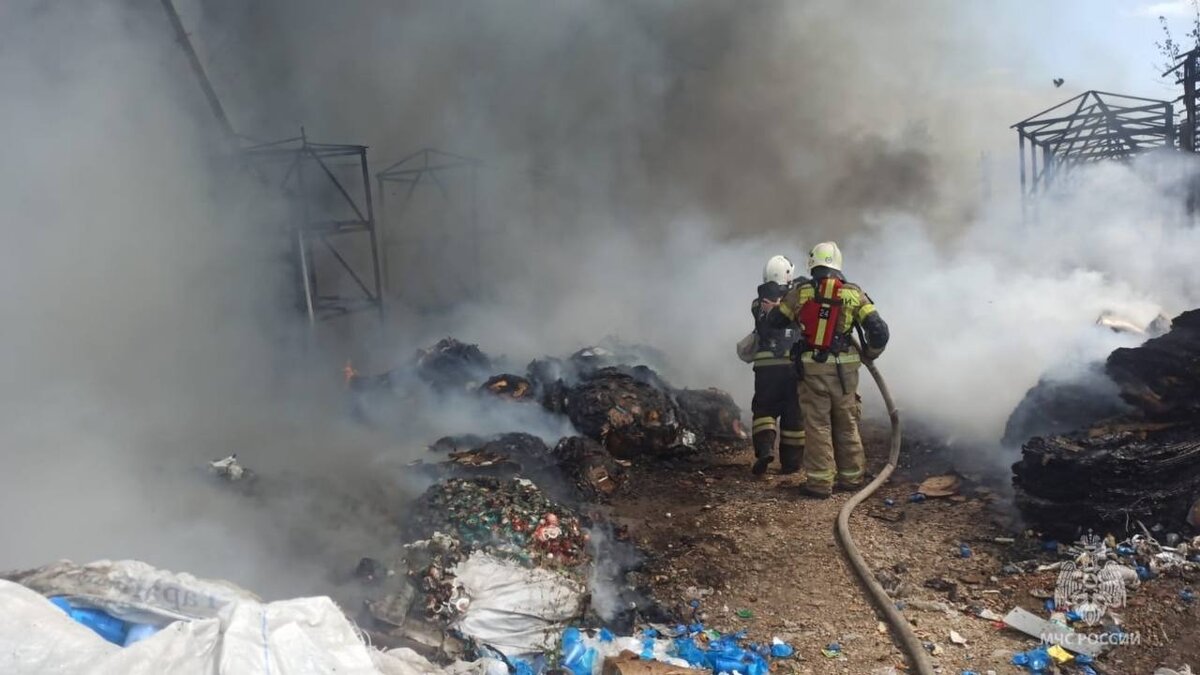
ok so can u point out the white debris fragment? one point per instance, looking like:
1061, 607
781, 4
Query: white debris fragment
956, 638
228, 468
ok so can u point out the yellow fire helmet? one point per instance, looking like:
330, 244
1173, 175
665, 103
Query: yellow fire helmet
825, 254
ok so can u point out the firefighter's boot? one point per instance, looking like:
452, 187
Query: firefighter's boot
764, 446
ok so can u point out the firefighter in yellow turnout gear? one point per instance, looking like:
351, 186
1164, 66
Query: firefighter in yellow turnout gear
828, 309
774, 376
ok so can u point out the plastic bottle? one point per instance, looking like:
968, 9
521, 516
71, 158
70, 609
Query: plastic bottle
1039, 660
781, 649
647, 649
577, 657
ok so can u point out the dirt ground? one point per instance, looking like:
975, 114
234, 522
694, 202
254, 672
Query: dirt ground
745, 543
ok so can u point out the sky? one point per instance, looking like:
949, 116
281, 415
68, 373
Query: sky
1107, 45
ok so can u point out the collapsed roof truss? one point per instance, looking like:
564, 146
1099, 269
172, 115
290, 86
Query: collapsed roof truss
1090, 127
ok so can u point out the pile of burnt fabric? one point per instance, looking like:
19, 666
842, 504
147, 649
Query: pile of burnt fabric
1142, 465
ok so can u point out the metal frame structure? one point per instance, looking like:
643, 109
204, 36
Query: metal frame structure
1187, 74
1090, 127
298, 157
414, 168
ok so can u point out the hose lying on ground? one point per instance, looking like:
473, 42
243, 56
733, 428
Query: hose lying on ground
899, 625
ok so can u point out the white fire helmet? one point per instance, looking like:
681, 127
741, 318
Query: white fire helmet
825, 254
780, 270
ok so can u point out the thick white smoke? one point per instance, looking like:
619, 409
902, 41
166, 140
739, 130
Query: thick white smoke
642, 161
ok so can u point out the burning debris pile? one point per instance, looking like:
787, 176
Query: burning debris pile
576, 470
1140, 465
625, 413
510, 519
500, 555
611, 396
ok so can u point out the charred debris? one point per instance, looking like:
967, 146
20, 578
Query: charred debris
1120, 447
515, 506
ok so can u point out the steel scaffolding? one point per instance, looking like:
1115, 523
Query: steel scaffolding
327, 187
1091, 127
427, 165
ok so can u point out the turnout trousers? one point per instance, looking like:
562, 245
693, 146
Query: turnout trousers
775, 396
831, 410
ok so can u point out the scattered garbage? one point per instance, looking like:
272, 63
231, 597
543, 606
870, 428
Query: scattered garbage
745, 614
957, 638
1059, 655
1187, 595
940, 486
964, 551
1035, 660
832, 650
781, 649
229, 468
916, 497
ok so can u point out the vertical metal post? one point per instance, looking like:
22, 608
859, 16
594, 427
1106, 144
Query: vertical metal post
366, 178
385, 240
1189, 101
310, 281
1169, 131
1021, 159
1047, 165
304, 278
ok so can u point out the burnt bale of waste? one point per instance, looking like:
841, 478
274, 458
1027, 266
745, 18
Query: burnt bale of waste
1144, 465
590, 467
623, 412
502, 455
1109, 477
452, 365
448, 444
1058, 404
711, 414
508, 518
1162, 376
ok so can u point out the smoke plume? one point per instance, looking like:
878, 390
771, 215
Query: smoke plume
640, 160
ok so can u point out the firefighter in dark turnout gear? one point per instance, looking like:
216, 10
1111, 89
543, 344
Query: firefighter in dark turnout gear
827, 310
775, 394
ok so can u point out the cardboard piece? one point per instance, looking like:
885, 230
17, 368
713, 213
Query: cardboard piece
628, 663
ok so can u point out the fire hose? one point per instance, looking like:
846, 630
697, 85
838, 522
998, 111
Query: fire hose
900, 628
